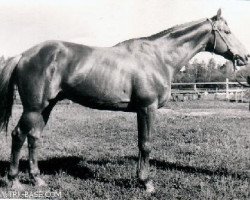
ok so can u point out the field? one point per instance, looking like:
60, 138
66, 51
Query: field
201, 150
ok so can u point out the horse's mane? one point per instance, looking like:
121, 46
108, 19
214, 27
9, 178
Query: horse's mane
165, 32
173, 29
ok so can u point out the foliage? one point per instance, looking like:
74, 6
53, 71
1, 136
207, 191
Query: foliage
200, 71
205, 72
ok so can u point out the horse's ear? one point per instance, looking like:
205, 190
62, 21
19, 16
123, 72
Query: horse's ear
218, 16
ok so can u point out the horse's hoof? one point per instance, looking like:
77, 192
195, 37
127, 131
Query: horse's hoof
16, 185
38, 182
150, 187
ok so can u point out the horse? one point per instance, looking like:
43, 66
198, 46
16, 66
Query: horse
132, 76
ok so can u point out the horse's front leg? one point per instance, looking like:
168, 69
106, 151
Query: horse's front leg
145, 120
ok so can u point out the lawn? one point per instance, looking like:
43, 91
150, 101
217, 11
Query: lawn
201, 150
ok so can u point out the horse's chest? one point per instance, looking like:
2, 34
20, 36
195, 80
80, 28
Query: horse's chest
164, 96
148, 91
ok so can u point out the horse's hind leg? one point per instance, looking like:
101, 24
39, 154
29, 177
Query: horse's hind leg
30, 125
18, 138
33, 142
37, 124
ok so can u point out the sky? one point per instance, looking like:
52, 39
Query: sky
24, 23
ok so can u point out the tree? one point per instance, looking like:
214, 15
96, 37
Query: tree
212, 69
201, 72
228, 70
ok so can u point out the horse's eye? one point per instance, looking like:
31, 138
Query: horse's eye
227, 31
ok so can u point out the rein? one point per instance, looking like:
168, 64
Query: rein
213, 29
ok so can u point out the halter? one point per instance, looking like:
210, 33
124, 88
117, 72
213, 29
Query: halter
215, 29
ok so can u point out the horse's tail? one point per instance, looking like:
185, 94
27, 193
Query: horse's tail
7, 90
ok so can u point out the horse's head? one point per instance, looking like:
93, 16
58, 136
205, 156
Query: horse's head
224, 43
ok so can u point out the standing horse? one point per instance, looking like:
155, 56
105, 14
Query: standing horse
132, 76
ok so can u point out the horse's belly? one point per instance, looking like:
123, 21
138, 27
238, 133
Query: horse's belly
94, 95
106, 105
102, 103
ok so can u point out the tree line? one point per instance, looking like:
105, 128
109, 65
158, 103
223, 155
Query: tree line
200, 71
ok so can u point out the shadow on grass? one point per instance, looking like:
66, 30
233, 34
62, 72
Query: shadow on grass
70, 165
76, 167
190, 169
163, 165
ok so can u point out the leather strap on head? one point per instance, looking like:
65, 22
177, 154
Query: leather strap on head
215, 29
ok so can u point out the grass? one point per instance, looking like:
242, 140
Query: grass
200, 151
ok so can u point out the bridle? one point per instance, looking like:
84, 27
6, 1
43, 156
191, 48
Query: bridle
214, 30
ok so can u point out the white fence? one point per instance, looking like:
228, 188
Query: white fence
231, 91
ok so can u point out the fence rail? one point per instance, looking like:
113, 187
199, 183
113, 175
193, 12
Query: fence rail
236, 93
209, 83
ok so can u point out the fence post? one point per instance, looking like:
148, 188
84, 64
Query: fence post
242, 94
227, 89
195, 87
236, 96
216, 94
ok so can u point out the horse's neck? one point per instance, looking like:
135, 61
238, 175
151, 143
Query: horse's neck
180, 45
